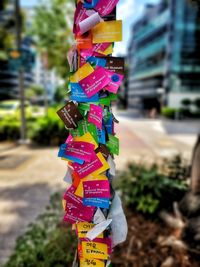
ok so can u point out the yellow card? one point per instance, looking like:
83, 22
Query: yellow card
81, 73
87, 138
79, 190
105, 166
84, 227
107, 31
108, 51
95, 250
68, 160
91, 263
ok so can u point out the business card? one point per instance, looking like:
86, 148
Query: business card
70, 115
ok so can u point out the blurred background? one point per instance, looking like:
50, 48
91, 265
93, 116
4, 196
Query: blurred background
159, 112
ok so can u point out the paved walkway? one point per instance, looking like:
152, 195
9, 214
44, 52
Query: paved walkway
29, 176
25, 192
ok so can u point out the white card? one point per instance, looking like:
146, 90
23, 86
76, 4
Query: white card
119, 225
98, 229
98, 217
112, 166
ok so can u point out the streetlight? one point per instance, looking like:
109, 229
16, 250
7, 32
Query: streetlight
21, 74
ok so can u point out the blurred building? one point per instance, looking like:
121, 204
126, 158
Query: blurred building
164, 62
9, 82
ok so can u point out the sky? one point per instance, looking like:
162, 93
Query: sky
127, 10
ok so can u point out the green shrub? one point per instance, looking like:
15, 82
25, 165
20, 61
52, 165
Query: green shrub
47, 243
186, 102
48, 130
169, 112
150, 189
9, 129
196, 102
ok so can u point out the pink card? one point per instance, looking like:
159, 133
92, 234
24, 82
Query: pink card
101, 47
105, 7
82, 61
75, 211
69, 139
87, 168
96, 81
70, 196
80, 150
115, 81
79, 15
95, 50
86, 53
96, 189
82, 214
95, 115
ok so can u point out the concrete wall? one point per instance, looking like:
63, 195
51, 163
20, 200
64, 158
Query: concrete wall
174, 99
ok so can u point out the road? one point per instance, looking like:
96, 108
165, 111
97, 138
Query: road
29, 176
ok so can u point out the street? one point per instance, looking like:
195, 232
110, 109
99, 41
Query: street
29, 176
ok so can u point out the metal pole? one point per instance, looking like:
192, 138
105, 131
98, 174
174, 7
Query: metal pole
46, 104
21, 73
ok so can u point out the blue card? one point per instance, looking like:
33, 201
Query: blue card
109, 125
97, 61
61, 154
90, 5
78, 95
79, 161
101, 136
97, 202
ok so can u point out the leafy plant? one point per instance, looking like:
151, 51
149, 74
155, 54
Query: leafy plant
169, 112
47, 243
186, 102
150, 189
9, 128
48, 130
197, 103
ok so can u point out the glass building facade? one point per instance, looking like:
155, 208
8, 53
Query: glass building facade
164, 58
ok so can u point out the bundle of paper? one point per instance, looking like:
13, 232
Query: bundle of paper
90, 203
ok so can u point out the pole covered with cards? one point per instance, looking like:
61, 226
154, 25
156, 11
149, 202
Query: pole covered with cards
90, 203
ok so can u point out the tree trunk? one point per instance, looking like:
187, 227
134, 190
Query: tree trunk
195, 172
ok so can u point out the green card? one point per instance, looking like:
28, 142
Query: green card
75, 132
113, 97
107, 115
113, 144
105, 101
84, 126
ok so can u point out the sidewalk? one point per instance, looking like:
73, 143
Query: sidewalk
25, 191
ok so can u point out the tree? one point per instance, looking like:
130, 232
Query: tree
7, 24
52, 30
34, 91
60, 94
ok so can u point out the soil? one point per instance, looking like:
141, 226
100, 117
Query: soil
144, 248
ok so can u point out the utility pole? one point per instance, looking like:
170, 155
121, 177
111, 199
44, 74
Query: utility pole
18, 22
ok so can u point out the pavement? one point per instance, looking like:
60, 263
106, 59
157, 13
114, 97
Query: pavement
29, 176
25, 189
